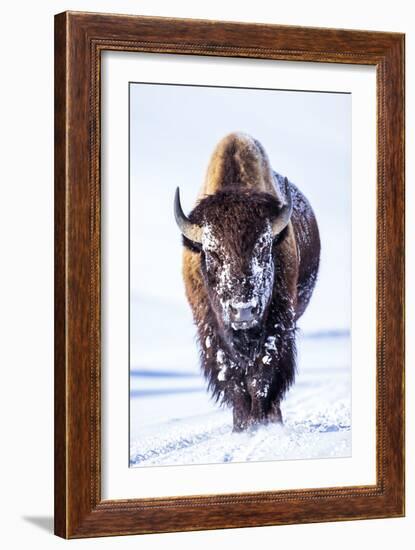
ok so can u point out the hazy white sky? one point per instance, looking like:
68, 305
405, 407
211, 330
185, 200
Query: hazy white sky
173, 130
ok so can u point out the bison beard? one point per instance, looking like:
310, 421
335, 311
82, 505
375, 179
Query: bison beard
233, 253
252, 370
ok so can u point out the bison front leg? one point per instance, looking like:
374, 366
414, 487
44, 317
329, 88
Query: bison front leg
257, 388
275, 414
241, 404
263, 408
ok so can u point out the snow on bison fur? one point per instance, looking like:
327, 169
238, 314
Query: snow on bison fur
251, 257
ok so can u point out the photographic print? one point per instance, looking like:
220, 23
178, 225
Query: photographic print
240, 274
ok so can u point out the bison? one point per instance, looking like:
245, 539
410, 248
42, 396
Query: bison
250, 262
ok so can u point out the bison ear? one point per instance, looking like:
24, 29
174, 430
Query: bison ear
284, 215
191, 231
192, 245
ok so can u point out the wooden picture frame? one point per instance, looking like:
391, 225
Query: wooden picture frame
79, 40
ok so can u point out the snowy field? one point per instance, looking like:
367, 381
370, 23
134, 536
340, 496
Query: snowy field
174, 422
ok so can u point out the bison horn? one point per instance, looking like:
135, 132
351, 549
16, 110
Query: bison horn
284, 215
190, 230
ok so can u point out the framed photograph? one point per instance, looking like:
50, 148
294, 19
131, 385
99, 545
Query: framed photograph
229, 274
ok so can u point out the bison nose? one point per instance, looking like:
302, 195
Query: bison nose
243, 313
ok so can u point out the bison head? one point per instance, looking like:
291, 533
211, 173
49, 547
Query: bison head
234, 231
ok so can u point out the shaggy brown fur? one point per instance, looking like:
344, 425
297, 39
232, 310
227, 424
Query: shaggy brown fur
249, 370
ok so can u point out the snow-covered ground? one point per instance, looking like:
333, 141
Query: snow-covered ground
174, 422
